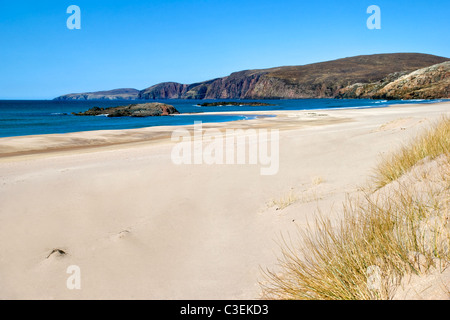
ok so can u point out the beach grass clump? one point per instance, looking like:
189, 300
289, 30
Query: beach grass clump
430, 144
318, 180
284, 201
401, 228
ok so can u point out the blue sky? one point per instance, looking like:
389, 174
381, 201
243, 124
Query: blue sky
140, 43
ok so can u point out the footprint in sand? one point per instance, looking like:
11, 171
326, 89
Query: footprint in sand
57, 253
121, 235
402, 124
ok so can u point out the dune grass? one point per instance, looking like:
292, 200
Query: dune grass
284, 201
401, 228
430, 144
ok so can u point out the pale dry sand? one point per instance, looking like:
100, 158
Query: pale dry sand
141, 227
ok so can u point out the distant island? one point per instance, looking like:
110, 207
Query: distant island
133, 110
380, 76
236, 104
116, 94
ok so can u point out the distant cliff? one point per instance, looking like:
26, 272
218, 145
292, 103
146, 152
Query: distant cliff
116, 94
354, 77
318, 80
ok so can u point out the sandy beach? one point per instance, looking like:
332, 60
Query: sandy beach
141, 227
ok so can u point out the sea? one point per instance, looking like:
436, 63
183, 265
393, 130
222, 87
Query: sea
29, 117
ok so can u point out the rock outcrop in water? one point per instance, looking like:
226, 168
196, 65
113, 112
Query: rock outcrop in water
132, 110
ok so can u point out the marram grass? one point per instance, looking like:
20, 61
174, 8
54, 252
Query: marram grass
432, 143
401, 228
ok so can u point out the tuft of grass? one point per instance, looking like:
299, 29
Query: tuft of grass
430, 144
317, 180
284, 201
290, 198
400, 229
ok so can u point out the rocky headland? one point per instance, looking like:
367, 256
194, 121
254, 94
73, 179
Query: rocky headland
379, 76
426, 83
116, 94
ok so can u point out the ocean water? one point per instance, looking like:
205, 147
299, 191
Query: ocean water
28, 117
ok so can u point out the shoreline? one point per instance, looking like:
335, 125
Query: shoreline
28, 145
141, 227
